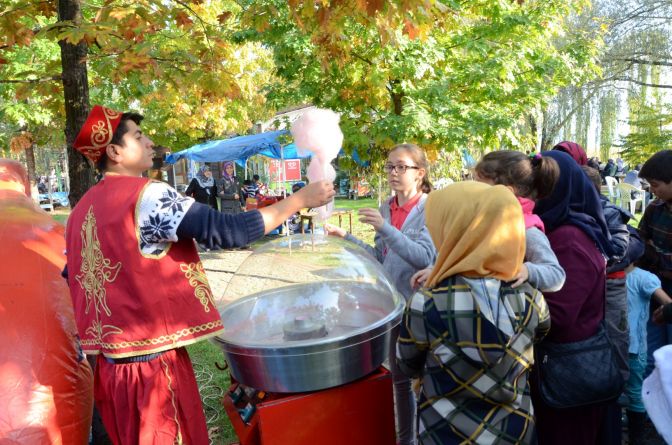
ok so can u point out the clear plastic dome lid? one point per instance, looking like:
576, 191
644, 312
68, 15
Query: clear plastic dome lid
306, 289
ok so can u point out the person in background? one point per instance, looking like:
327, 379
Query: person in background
294, 221
594, 163
139, 290
655, 228
249, 189
262, 189
609, 169
632, 177
403, 246
627, 246
230, 189
620, 167
578, 234
203, 188
574, 150
468, 335
642, 287
42, 185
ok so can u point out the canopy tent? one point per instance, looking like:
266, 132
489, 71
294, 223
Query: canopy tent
239, 148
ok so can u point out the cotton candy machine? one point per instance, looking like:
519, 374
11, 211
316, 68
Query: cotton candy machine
305, 313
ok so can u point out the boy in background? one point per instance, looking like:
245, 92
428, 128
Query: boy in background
655, 229
642, 287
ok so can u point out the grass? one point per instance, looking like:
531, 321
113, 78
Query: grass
212, 384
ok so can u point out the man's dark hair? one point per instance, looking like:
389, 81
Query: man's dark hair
255, 177
658, 167
118, 135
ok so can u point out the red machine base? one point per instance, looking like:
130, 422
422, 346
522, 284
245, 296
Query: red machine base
359, 413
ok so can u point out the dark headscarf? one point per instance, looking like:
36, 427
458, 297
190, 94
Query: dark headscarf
574, 201
574, 150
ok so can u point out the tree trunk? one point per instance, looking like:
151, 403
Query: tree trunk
76, 91
396, 97
30, 164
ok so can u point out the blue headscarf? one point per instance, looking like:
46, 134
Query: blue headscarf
575, 201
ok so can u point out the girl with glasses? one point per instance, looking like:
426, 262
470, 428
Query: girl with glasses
403, 246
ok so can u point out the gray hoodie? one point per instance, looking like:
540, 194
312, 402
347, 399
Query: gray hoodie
402, 253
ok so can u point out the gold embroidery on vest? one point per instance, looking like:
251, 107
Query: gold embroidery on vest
195, 273
94, 273
155, 341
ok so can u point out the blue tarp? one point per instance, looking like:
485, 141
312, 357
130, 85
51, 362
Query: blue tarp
239, 149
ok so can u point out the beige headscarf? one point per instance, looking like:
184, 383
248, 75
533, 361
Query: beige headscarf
478, 231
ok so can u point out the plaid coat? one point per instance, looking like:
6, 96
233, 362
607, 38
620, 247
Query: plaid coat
470, 341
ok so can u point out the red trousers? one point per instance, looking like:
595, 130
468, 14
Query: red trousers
151, 403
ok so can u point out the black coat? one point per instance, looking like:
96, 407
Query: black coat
204, 195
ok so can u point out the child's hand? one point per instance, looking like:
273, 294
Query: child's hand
658, 315
420, 278
334, 230
521, 277
373, 217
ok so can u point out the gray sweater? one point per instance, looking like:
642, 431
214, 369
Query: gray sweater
545, 272
402, 252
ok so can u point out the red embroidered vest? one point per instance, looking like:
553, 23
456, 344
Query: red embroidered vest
128, 303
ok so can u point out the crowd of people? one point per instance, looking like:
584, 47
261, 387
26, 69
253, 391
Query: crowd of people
528, 295
527, 262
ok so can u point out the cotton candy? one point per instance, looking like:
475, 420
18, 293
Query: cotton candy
317, 131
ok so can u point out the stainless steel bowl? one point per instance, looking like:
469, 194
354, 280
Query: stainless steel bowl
316, 334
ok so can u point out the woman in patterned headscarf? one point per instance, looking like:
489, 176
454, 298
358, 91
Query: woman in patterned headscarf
469, 335
203, 188
230, 189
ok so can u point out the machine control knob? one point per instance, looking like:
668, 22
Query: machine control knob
236, 394
247, 412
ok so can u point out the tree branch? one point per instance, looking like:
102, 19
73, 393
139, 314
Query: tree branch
644, 84
43, 79
26, 6
645, 62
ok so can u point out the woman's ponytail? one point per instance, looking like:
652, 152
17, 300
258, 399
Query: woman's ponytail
545, 174
426, 185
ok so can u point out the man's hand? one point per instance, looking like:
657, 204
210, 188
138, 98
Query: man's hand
235, 196
316, 194
373, 217
521, 277
420, 277
334, 230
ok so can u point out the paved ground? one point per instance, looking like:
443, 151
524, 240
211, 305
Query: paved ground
220, 265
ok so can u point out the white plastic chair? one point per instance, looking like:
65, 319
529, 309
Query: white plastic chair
628, 198
612, 186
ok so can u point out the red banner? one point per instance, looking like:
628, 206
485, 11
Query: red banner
292, 170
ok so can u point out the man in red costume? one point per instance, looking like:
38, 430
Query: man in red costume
138, 287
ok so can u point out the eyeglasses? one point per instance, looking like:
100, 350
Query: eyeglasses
398, 169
